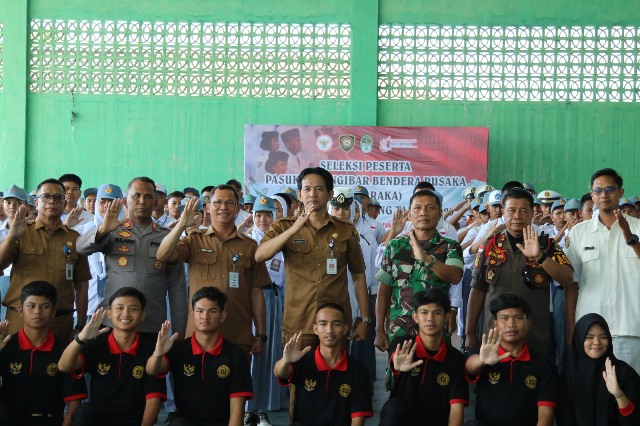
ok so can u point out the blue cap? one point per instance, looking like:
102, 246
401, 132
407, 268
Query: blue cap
558, 204
31, 200
90, 191
264, 204
536, 202
291, 192
634, 198
205, 199
495, 198
190, 190
110, 191
15, 192
528, 186
572, 204
161, 188
183, 203
248, 199
360, 190
626, 202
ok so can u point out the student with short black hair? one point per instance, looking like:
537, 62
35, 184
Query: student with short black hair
331, 387
515, 386
429, 384
211, 375
122, 393
33, 390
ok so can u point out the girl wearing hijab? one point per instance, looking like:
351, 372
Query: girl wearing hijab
604, 390
268, 394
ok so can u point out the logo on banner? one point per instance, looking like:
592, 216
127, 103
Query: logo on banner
347, 142
324, 143
366, 144
387, 144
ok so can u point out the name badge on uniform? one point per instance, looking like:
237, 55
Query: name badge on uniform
332, 266
234, 280
68, 272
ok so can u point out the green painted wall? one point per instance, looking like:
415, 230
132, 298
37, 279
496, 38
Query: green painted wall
199, 141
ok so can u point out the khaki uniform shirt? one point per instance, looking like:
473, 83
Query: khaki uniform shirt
130, 261
40, 256
210, 262
306, 280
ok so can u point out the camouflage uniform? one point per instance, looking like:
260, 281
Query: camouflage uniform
406, 276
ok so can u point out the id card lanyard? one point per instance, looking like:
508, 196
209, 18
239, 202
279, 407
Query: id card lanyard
332, 262
234, 276
68, 269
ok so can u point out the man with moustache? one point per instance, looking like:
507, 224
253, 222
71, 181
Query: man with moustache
130, 250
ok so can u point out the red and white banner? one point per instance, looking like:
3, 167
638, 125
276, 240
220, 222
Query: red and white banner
388, 161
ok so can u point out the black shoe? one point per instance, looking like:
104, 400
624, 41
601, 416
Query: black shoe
172, 415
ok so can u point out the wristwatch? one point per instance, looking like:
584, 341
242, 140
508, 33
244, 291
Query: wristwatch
368, 320
78, 341
262, 337
633, 241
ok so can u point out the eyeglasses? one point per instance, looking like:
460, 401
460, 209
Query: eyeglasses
56, 198
608, 190
219, 203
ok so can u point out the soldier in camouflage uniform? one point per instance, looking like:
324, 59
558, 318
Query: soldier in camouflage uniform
419, 260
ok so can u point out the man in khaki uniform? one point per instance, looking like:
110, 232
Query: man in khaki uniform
317, 249
45, 250
223, 257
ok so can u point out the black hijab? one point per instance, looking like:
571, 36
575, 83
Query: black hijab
589, 393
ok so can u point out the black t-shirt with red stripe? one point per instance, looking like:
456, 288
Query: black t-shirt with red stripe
205, 381
431, 388
510, 392
330, 396
31, 381
120, 385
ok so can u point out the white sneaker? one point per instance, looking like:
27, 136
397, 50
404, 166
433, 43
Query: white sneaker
263, 419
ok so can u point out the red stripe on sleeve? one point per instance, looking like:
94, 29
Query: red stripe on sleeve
459, 401
76, 397
162, 396
547, 404
362, 414
627, 410
248, 395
